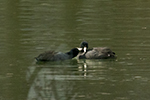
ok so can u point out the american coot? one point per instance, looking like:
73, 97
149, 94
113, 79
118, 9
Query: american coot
95, 53
57, 56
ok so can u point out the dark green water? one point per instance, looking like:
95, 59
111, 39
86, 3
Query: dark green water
30, 27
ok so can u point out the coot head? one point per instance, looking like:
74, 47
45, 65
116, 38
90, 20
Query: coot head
84, 46
73, 52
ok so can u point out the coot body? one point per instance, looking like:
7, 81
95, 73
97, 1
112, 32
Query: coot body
95, 53
57, 56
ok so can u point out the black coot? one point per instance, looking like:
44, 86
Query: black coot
57, 56
95, 53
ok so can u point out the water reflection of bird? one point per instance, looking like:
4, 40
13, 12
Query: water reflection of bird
57, 56
95, 53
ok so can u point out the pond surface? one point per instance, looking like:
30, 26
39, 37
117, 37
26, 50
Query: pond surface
30, 27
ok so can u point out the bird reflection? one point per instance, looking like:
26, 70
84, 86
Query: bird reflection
48, 84
83, 68
59, 81
94, 69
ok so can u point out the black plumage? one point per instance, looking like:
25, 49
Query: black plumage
95, 52
57, 56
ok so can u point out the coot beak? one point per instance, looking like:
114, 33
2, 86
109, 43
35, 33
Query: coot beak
80, 49
84, 49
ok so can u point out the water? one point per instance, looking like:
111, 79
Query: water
29, 28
